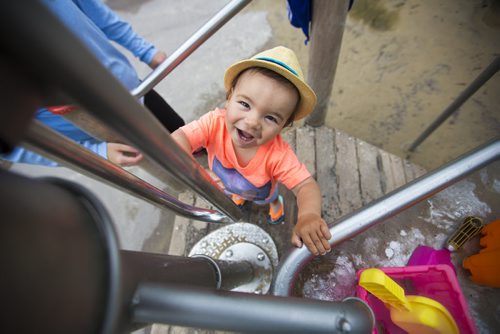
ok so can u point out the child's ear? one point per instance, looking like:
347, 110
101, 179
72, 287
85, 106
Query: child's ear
229, 93
228, 97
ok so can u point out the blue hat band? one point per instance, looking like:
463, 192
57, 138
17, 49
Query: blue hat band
277, 62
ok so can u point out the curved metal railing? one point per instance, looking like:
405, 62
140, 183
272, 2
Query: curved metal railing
385, 207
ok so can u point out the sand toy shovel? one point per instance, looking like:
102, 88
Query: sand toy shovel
414, 314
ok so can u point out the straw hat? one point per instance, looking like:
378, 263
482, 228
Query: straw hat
284, 62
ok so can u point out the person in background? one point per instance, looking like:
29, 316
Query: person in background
96, 25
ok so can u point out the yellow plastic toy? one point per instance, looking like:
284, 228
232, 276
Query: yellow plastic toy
469, 228
414, 314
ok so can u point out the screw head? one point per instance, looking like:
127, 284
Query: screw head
261, 256
229, 253
345, 326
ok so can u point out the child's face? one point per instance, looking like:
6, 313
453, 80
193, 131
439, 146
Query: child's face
258, 109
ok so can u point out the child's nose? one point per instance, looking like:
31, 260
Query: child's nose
253, 121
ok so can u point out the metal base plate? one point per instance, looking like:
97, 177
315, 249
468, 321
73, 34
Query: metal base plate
242, 242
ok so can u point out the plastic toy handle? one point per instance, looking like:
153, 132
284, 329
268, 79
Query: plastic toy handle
469, 228
384, 288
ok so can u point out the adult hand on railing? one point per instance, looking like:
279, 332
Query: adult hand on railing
123, 155
158, 58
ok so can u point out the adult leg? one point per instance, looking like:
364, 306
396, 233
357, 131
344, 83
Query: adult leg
163, 111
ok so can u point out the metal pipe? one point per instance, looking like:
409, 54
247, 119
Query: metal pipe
189, 46
79, 74
481, 79
59, 255
235, 273
49, 143
248, 313
385, 207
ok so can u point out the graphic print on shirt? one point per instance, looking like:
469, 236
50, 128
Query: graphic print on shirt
235, 183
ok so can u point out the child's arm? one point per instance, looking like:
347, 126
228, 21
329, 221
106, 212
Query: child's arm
123, 155
310, 229
182, 140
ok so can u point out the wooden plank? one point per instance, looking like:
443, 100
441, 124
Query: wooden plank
325, 173
347, 173
304, 148
393, 171
327, 27
388, 178
418, 171
370, 176
178, 240
160, 329
289, 136
179, 233
409, 171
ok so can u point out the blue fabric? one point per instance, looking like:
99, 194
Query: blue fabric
61, 125
95, 24
299, 14
20, 154
277, 62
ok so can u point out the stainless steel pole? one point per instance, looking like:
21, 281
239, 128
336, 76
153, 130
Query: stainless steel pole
49, 143
387, 206
78, 74
189, 46
248, 313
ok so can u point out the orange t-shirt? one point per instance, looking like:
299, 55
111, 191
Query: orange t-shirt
274, 162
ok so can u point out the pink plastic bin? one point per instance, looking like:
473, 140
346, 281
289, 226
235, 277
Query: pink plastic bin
425, 255
438, 282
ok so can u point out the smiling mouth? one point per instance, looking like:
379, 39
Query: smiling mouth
245, 136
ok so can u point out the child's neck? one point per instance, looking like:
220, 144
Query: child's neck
245, 155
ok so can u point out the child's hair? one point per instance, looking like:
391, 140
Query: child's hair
272, 75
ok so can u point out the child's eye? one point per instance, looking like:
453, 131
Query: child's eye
244, 104
272, 119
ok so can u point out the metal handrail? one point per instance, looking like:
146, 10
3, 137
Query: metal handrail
43, 140
189, 46
384, 208
87, 123
79, 75
248, 313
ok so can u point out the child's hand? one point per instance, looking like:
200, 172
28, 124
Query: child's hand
123, 155
158, 58
312, 230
